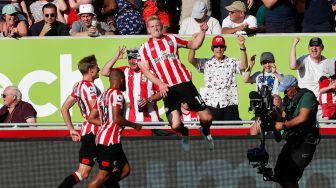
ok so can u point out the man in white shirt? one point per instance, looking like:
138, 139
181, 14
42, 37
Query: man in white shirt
238, 22
191, 25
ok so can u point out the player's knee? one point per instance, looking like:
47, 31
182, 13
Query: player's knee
176, 126
207, 119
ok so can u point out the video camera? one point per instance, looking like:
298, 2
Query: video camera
261, 104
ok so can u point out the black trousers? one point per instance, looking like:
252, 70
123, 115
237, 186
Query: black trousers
228, 113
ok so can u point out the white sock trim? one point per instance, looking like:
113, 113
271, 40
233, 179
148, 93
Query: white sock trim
79, 176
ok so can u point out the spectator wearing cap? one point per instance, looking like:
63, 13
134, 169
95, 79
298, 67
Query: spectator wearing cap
87, 25
279, 16
141, 94
11, 26
49, 26
221, 92
191, 25
238, 22
36, 9
310, 66
318, 16
268, 75
21, 7
187, 6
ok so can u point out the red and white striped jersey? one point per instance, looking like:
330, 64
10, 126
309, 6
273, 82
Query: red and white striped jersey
162, 56
190, 116
85, 91
110, 132
329, 96
138, 86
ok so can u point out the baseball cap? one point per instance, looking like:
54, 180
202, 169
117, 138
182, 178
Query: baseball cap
316, 41
266, 56
199, 9
236, 6
9, 9
86, 9
218, 40
287, 82
132, 52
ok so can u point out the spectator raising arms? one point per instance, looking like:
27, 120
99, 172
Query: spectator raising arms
238, 22
11, 26
268, 75
221, 92
49, 26
191, 25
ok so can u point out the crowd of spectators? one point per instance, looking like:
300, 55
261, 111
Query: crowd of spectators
128, 17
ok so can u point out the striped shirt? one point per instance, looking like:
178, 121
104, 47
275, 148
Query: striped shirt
138, 86
328, 97
110, 132
163, 58
85, 91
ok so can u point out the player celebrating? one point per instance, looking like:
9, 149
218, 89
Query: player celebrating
160, 54
141, 94
85, 93
108, 111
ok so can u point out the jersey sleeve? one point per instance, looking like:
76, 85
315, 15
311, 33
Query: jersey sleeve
118, 100
324, 83
181, 43
29, 111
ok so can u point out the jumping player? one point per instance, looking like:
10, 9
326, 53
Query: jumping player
160, 54
108, 112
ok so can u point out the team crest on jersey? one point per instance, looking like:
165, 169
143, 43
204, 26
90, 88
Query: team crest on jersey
170, 43
119, 98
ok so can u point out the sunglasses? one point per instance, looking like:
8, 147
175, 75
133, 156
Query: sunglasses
3, 95
49, 15
218, 46
130, 57
316, 45
266, 61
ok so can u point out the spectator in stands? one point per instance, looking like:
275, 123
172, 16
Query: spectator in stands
49, 26
128, 20
318, 16
224, 3
21, 8
157, 8
238, 22
36, 9
88, 25
327, 92
191, 25
14, 110
187, 7
279, 16
268, 75
141, 94
261, 19
221, 93
187, 114
11, 26
309, 67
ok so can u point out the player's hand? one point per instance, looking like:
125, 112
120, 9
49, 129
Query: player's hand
295, 41
75, 135
138, 127
142, 102
163, 87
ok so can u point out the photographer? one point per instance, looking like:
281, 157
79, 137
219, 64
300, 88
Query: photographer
300, 131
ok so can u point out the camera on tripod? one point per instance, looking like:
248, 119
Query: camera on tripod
261, 104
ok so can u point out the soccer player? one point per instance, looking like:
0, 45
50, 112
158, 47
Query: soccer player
141, 94
85, 93
160, 54
108, 112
